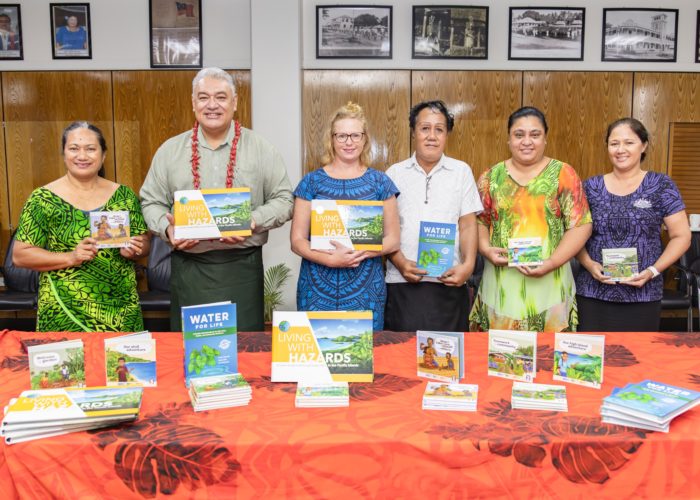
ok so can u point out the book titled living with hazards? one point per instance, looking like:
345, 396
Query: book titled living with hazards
211, 340
322, 347
212, 213
436, 247
356, 224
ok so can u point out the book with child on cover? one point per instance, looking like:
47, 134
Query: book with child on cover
620, 264
512, 354
525, 252
356, 224
57, 364
320, 347
131, 360
578, 358
212, 213
440, 355
110, 229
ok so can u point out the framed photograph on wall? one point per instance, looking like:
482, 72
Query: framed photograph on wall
10, 32
640, 35
176, 33
70, 28
450, 32
353, 31
546, 33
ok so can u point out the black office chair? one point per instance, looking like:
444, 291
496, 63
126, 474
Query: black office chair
157, 297
684, 296
21, 285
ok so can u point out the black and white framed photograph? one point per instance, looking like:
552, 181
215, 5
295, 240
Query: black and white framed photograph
353, 31
546, 33
697, 39
450, 32
70, 27
640, 35
10, 32
176, 33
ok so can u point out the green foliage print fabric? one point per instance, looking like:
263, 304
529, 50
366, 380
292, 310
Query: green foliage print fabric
96, 296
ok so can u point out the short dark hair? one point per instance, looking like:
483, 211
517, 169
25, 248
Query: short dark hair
527, 111
637, 127
83, 124
437, 106
7, 16
121, 358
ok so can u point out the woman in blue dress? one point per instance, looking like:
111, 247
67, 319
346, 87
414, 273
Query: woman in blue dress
71, 36
344, 279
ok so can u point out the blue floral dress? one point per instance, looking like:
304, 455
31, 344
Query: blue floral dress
361, 288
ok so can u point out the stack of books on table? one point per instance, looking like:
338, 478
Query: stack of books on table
322, 395
43, 413
455, 397
219, 391
647, 405
530, 396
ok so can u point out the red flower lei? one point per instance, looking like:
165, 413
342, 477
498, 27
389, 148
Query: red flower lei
231, 161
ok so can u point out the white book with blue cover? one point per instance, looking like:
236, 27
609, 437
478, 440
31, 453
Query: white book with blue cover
652, 401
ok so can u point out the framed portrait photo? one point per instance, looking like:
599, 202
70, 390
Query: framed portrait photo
10, 32
640, 35
546, 33
353, 31
70, 27
176, 33
450, 32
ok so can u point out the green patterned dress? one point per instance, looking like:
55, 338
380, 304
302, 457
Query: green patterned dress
547, 206
99, 295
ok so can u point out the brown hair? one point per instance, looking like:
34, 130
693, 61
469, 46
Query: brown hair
349, 110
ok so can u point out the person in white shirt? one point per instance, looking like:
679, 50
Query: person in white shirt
434, 188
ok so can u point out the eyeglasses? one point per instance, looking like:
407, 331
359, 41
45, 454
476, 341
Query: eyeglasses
354, 137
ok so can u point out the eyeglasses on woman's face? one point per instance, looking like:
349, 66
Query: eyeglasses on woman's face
354, 137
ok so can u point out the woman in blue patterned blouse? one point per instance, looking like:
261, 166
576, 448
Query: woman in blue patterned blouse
628, 207
344, 279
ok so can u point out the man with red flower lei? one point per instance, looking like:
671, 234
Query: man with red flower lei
217, 153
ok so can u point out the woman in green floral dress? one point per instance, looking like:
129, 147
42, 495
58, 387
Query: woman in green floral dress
529, 196
82, 288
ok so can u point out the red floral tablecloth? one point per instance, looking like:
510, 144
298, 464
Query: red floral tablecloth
383, 445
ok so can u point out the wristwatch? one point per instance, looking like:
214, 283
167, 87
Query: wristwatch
654, 272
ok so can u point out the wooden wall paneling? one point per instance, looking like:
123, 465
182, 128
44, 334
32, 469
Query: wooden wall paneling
152, 106
37, 107
579, 106
684, 163
385, 97
659, 100
4, 195
481, 102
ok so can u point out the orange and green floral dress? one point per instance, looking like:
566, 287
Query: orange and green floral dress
546, 207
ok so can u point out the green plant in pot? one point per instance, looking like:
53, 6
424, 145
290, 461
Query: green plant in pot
275, 278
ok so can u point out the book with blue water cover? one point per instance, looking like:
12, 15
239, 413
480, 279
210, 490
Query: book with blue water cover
651, 401
436, 247
210, 335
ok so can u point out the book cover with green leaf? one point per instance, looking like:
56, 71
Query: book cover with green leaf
211, 340
436, 247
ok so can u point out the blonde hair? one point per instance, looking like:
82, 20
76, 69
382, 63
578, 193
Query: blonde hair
349, 110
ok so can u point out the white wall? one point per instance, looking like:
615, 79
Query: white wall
120, 36
498, 37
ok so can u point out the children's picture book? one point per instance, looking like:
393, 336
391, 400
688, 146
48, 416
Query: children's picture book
525, 252
131, 360
436, 247
321, 347
322, 395
620, 264
356, 224
212, 213
440, 355
211, 340
110, 229
651, 401
440, 396
579, 358
220, 391
58, 364
512, 354
528, 396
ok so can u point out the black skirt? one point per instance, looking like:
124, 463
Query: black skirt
426, 306
604, 316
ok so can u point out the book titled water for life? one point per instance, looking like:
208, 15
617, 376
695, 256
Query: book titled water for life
212, 213
436, 247
211, 340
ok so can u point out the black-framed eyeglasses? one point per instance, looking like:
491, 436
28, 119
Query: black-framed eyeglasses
354, 137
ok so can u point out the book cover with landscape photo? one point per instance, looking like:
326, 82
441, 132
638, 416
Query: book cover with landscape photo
620, 264
512, 354
356, 224
57, 364
322, 347
131, 361
578, 359
212, 213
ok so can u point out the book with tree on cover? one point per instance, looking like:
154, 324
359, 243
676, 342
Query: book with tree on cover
356, 224
525, 252
58, 364
212, 213
578, 359
620, 264
436, 247
131, 360
512, 354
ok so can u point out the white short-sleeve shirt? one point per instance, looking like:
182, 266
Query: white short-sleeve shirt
445, 195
